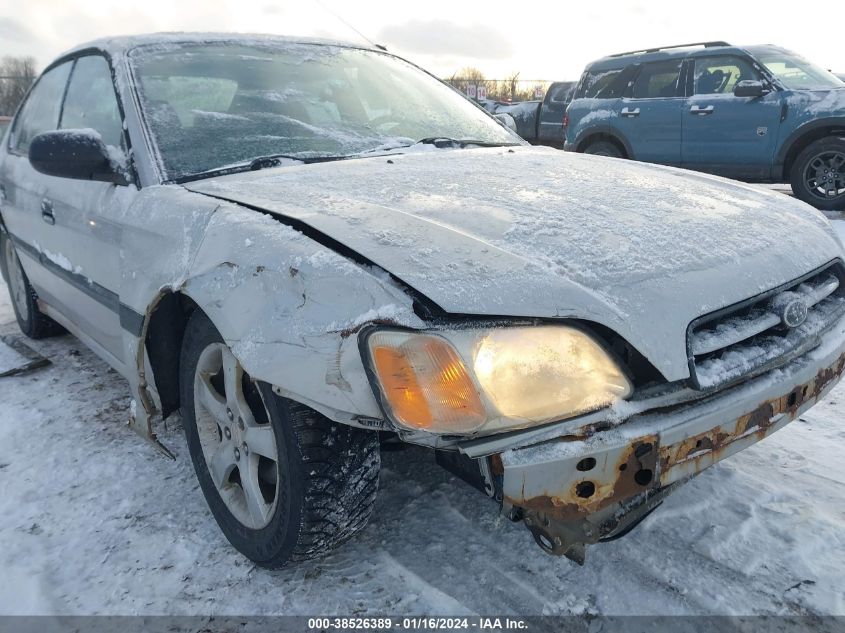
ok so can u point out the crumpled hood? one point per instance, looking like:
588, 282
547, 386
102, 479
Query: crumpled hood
536, 232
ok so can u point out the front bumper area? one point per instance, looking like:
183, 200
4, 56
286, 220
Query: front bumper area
583, 488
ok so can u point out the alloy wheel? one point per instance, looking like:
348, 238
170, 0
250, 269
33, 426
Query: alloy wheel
824, 175
237, 439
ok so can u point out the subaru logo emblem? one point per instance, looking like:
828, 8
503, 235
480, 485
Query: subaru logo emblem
794, 313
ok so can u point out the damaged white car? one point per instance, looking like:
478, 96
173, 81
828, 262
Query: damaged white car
306, 247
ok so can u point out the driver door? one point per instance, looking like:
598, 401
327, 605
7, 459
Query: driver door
85, 233
724, 134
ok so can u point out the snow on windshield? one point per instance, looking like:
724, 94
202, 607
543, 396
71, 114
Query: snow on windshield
795, 72
210, 106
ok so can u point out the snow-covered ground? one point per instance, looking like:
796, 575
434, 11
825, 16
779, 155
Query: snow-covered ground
93, 520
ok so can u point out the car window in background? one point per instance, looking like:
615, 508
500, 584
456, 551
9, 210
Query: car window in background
209, 106
657, 79
4, 124
562, 92
40, 112
606, 84
720, 74
91, 101
795, 72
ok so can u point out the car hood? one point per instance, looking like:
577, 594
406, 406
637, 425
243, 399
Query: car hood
808, 105
535, 232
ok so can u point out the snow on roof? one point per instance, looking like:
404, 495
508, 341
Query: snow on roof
123, 43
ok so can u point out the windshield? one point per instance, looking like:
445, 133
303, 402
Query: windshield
795, 72
210, 106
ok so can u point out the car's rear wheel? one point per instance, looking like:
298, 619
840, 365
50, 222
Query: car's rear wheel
818, 174
603, 148
283, 482
31, 320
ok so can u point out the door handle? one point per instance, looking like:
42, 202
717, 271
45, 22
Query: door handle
702, 111
47, 211
627, 112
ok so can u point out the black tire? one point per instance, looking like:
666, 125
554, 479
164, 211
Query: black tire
32, 322
328, 472
603, 148
820, 160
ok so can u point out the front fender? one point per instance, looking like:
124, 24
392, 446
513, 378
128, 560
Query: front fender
289, 308
809, 128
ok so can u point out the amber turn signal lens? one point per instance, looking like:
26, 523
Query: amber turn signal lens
425, 383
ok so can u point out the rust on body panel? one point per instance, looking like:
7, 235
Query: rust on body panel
644, 464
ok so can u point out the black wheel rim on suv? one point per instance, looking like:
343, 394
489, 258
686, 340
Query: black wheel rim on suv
824, 175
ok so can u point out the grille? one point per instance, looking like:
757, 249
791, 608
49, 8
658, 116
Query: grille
766, 331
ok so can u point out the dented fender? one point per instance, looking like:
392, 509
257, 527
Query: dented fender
274, 294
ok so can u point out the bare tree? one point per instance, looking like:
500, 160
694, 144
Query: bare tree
468, 76
511, 88
16, 76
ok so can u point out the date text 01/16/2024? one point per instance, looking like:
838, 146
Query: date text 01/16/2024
417, 623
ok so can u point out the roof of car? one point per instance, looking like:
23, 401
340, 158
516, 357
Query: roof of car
620, 60
124, 43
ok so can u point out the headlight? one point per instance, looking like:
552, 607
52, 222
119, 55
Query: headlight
465, 381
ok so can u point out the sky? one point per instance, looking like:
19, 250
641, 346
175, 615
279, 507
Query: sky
548, 40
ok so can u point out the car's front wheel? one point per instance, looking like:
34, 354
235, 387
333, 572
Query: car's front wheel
818, 174
283, 482
31, 320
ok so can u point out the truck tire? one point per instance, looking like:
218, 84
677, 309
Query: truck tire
32, 322
603, 148
283, 482
818, 174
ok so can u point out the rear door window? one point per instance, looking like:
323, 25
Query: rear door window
657, 79
40, 112
91, 102
720, 75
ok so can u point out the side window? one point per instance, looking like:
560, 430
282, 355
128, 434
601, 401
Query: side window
91, 101
657, 79
561, 93
719, 75
597, 84
40, 113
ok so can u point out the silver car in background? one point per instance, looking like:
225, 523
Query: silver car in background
308, 247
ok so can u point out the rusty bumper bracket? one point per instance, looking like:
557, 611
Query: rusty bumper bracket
575, 491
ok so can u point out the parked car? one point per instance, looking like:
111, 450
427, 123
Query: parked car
540, 122
755, 113
4, 123
303, 245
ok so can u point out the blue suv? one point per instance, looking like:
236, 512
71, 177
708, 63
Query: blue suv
755, 113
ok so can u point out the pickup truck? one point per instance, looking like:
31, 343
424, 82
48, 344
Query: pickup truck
540, 122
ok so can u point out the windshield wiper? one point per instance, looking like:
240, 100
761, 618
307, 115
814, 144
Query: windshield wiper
262, 162
445, 141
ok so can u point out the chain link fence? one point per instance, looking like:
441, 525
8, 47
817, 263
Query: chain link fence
509, 90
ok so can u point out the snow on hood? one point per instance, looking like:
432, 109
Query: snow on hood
537, 232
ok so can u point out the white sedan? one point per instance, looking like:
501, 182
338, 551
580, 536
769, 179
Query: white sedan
309, 248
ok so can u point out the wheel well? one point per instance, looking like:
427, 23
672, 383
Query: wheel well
601, 136
802, 142
163, 342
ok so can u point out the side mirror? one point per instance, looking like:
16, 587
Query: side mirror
507, 120
77, 154
751, 88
